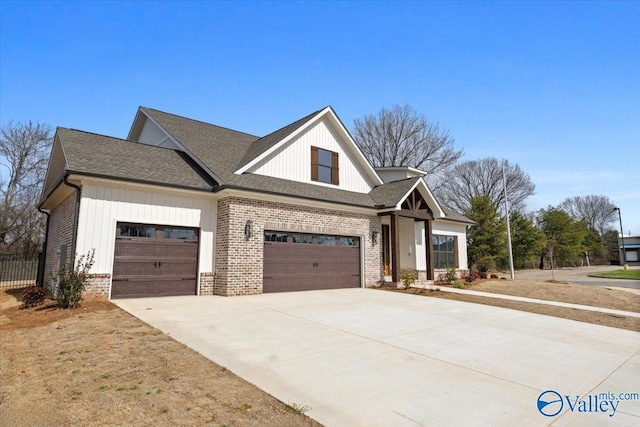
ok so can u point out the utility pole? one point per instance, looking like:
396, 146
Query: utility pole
624, 253
506, 209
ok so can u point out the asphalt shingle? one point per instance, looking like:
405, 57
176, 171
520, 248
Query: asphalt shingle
99, 155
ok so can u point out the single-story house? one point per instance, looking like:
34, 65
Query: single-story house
186, 207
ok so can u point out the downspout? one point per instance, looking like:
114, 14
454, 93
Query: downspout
41, 268
74, 235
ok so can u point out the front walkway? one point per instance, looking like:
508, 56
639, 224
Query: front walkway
537, 301
361, 357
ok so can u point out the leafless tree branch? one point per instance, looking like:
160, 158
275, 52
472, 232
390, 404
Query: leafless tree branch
24, 152
474, 178
401, 136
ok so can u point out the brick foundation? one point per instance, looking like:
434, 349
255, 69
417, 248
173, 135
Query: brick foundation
207, 284
98, 284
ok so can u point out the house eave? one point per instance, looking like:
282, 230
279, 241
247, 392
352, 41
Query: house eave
290, 198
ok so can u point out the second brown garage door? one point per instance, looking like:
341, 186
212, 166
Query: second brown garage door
300, 262
153, 260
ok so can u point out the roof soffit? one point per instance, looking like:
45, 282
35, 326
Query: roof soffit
56, 166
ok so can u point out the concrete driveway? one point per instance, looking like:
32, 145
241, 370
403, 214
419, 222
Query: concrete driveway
363, 357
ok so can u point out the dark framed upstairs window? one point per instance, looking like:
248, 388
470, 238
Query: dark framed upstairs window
324, 166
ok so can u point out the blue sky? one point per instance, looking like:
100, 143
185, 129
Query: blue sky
552, 86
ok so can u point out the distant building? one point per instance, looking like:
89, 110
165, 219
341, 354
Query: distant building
631, 249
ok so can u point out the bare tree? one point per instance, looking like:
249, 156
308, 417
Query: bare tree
596, 210
483, 177
24, 151
401, 136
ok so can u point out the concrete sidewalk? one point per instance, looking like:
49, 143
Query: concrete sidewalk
535, 301
364, 357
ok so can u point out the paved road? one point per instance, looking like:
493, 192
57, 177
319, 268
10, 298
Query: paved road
363, 357
580, 275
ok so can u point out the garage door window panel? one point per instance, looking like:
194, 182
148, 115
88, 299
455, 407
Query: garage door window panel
327, 240
350, 241
275, 237
302, 238
137, 231
179, 234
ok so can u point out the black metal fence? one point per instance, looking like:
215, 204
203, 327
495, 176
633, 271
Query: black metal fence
18, 271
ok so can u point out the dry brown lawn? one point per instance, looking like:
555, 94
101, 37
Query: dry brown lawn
564, 292
97, 365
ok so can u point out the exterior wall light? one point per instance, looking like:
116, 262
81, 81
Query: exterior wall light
374, 237
248, 230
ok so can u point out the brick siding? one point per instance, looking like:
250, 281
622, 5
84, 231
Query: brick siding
60, 233
98, 284
239, 261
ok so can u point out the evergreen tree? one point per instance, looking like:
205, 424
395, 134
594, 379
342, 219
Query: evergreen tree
486, 240
527, 241
564, 234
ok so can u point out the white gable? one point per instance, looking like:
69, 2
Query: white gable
152, 134
292, 160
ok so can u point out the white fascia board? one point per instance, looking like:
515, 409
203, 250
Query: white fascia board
140, 185
289, 137
56, 140
363, 160
397, 168
184, 149
429, 197
135, 121
248, 194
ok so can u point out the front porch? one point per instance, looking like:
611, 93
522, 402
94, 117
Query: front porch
407, 234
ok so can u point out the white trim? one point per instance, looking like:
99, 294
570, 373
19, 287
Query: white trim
441, 213
115, 182
401, 168
228, 192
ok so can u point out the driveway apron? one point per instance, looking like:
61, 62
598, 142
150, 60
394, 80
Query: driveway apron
363, 357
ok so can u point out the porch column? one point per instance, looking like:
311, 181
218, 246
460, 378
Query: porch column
395, 248
428, 228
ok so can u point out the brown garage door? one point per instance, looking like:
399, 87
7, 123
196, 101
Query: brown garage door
300, 262
152, 260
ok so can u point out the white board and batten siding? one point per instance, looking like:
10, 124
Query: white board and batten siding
293, 160
103, 205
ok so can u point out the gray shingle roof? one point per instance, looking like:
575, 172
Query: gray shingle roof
389, 194
263, 144
223, 151
219, 149
455, 216
99, 155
